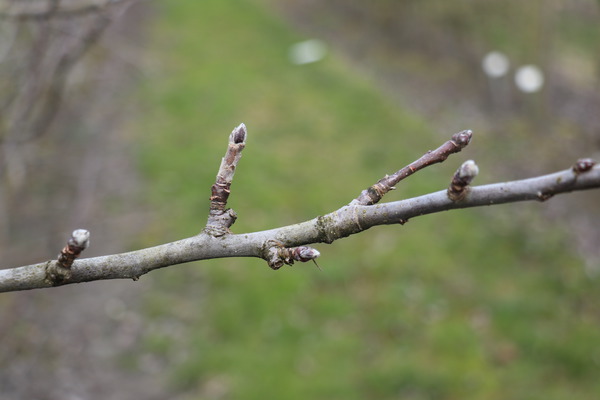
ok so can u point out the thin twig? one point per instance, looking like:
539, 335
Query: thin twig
374, 194
221, 218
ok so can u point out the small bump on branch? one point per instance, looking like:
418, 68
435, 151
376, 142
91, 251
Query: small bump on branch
461, 180
59, 271
583, 165
277, 255
221, 218
376, 192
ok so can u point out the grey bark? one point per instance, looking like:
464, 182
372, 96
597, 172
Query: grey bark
327, 228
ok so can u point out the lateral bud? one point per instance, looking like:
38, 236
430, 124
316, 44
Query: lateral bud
59, 271
277, 255
583, 165
463, 176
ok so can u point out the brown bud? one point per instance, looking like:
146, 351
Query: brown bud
462, 138
239, 134
583, 165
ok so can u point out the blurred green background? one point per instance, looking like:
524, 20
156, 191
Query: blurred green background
461, 305
495, 303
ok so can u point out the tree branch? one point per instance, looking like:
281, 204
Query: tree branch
373, 194
287, 244
220, 218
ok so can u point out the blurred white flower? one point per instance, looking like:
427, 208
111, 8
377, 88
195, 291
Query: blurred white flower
308, 51
495, 64
529, 78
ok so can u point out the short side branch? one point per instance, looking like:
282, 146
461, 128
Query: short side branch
374, 194
60, 271
221, 218
277, 255
462, 179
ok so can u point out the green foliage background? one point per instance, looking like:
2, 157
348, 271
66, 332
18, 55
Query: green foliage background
460, 305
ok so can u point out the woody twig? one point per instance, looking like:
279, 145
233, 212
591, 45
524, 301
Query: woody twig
376, 192
59, 271
221, 218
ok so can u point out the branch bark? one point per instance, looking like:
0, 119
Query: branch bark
287, 244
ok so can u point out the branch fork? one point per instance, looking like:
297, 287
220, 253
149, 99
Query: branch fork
376, 192
289, 244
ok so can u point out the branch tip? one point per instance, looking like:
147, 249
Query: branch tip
80, 238
468, 170
462, 138
238, 135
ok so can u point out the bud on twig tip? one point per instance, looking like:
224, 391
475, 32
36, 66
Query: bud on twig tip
239, 134
81, 238
462, 178
463, 138
468, 170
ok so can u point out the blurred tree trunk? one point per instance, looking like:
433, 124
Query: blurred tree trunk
63, 73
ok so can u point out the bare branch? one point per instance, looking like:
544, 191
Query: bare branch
373, 194
50, 104
539, 188
287, 244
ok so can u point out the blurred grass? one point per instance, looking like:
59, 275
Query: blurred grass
455, 305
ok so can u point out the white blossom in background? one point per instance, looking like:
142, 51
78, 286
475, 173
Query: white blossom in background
529, 78
495, 64
307, 52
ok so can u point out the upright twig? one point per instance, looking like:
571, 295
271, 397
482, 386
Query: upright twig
461, 180
221, 218
59, 271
